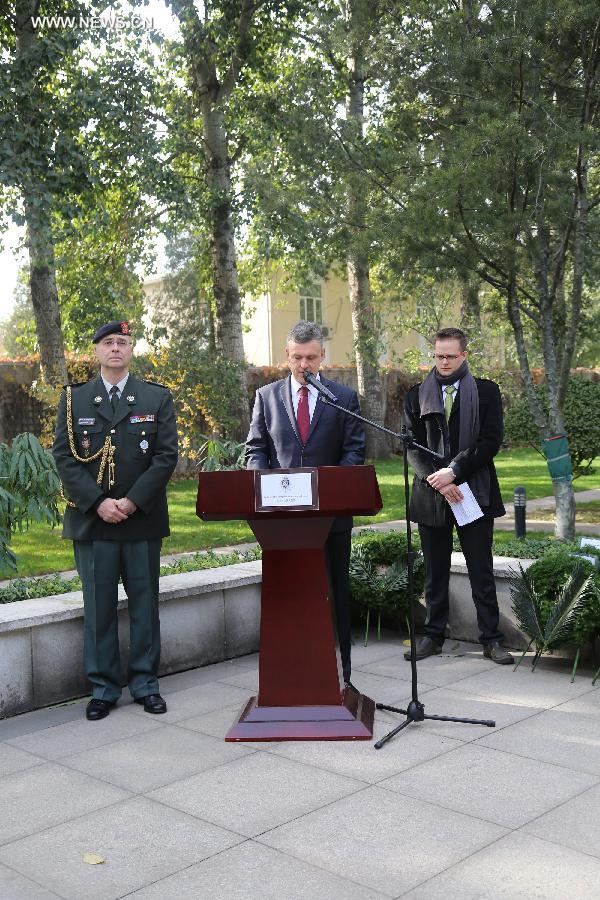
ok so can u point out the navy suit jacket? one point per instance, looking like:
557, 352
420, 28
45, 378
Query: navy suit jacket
335, 439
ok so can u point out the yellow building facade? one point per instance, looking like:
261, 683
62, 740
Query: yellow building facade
269, 317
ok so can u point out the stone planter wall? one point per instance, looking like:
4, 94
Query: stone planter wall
462, 623
206, 617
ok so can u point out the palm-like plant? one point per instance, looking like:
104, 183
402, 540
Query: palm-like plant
378, 590
558, 627
218, 454
29, 490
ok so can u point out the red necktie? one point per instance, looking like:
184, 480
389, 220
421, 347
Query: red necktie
303, 416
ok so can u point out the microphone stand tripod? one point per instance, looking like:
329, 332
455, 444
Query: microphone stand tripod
415, 711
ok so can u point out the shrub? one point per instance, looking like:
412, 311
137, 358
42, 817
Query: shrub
210, 560
379, 574
382, 547
205, 388
549, 574
550, 625
48, 585
582, 422
533, 548
30, 588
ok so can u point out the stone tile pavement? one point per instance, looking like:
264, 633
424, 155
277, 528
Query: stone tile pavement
444, 810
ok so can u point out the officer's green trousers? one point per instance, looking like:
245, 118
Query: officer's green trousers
100, 564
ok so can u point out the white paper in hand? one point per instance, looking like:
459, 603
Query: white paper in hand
468, 509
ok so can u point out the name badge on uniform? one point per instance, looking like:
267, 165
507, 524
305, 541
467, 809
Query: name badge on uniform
89, 421
144, 418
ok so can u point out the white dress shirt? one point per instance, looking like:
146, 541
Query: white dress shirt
312, 396
120, 385
445, 387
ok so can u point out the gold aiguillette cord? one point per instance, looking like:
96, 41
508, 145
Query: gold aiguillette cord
105, 454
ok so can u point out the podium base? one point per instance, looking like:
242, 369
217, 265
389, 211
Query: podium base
351, 720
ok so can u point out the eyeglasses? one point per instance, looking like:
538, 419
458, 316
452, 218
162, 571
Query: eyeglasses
118, 342
440, 357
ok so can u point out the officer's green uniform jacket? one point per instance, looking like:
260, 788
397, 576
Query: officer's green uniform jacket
144, 414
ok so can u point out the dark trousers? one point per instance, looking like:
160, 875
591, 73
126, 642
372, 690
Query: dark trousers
337, 551
100, 564
476, 544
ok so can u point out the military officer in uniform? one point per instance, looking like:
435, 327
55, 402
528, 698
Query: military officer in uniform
115, 450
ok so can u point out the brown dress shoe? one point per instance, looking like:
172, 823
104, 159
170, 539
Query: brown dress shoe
497, 653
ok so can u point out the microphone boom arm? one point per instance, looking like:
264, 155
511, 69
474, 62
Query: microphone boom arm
402, 436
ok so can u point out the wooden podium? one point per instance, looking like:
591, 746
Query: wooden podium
301, 694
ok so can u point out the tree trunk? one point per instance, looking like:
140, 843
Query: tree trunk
564, 528
470, 307
44, 296
228, 306
564, 495
42, 279
224, 263
563, 492
210, 97
364, 325
367, 372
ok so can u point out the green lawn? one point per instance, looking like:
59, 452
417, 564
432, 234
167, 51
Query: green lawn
41, 549
521, 467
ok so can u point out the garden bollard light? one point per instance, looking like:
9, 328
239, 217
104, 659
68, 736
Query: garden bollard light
520, 501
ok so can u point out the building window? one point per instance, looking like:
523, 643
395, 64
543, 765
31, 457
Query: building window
311, 302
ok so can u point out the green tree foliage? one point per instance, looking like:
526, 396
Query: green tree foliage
490, 166
81, 165
183, 307
18, 330
582, 421
314, 137
223, 50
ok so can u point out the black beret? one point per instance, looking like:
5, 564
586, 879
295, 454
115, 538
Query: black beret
111, 328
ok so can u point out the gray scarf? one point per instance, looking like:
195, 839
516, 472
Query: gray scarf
430, 402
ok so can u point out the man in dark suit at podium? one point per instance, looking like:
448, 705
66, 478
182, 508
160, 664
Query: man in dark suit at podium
290, 429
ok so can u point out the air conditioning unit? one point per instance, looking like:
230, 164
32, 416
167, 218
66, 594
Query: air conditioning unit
327, 331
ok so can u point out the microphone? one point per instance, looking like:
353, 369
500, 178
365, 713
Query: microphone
310, 379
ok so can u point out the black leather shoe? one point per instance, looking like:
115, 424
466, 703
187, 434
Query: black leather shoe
153, 703
426, 646
497, 653
97, 709
348, 686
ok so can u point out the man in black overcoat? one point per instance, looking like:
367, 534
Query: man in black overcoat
115, 450
291, 428
461, 417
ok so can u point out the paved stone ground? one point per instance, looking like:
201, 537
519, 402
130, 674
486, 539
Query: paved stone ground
444, 810
550, 503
